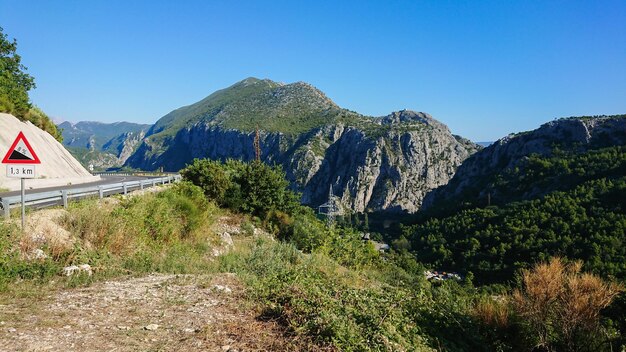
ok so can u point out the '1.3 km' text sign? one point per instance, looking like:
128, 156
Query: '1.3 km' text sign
21, 171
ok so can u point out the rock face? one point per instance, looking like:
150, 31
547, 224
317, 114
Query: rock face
373, 164
391, 172
573, 134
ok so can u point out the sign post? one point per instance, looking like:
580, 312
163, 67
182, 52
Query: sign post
21, 160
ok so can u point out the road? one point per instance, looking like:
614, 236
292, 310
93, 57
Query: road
106, 179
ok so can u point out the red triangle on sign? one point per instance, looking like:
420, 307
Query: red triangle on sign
21, 152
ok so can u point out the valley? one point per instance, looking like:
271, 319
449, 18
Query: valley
292, 222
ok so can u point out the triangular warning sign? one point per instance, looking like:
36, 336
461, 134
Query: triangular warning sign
21, 152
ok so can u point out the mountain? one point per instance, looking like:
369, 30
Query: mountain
559, 190
372, 163
102, 145
509, 169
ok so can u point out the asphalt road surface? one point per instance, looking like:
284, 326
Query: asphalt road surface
106, 179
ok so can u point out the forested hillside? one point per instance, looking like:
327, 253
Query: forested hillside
567, 200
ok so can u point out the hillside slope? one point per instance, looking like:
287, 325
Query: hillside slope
508, 170
373, 164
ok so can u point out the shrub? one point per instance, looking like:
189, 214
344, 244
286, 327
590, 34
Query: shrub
560, 306
308, 233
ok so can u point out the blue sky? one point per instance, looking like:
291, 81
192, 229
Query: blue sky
485, 68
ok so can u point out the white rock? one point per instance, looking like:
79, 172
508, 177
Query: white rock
151, 327
70, 270
227, 239
36, 254
86, 268
221, 288
73, 269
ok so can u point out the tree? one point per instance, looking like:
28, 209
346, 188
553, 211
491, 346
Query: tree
14, 86
14, 81
210, 176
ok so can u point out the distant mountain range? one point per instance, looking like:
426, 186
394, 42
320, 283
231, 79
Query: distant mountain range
102, 145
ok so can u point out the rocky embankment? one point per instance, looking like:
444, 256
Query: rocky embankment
58, 166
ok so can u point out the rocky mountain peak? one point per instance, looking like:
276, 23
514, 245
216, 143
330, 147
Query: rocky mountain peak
304, 95
412, 117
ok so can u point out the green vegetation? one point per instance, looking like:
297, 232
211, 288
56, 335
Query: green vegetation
341, 293
582, 216
253, 188
162, 232
14, 81
568, 204
534, 176
14, 86
327, 286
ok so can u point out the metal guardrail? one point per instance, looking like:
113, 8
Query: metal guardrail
135, 173
64, 196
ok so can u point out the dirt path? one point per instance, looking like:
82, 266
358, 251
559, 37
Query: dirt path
152, 313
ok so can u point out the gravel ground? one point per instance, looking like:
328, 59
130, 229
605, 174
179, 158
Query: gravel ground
152, 313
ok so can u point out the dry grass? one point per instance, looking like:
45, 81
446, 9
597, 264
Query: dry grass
493, 311
43, 229
559, 303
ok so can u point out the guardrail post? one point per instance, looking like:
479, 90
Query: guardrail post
141, 185
101, 192
6, 208
153, 183
125, 187
64, 194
